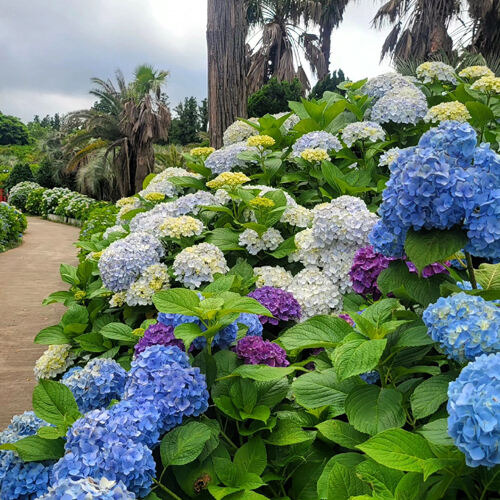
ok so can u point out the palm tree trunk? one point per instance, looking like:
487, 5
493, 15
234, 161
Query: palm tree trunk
325, 40
226, 34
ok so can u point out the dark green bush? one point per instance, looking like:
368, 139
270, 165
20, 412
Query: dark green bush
273, 97
44, 174
99, 219
12, 130
20, 173
328, 83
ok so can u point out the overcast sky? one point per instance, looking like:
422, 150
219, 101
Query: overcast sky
50, 49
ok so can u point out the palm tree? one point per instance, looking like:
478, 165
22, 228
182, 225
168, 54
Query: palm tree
125, 124
485, 16
282, 42
420, 27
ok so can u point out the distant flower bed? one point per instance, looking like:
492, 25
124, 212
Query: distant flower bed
12, 226
309, 312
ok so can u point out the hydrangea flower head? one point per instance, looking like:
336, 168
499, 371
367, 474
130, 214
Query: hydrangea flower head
403, 105
389, 157
88, 488
465, 326
316, 140
228, 180
252, 322
314, 155
54, 361
371, 377
183, 226
436, 70
260, 141
362, 131
153, 279
226, 158
95, 385
380, 85
474, 411
157, 334
256, 351
453, 110
198, 264
274, 276
487, 84
239, 131
162, 375
280, 303
261, 202
270, 240
347, 319
202, 152
473, 72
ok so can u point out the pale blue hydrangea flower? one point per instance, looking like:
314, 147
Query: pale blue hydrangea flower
86, 489
312, 140
269, 241
252, 322
474, 411
406, 105
387, 158
362, 131
436, 70
380, 85
94, 386
226, 158
465, 326
124, 260
239, 131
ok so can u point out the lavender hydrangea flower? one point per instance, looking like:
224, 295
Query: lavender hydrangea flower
281, 304
158, 334
406, 105
430, 270
256, 351
313, 140
162, 375
226, 158
380, 85
82, 489
94, 386
465, 326
474, 411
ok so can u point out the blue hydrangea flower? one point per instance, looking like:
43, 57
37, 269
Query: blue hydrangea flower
125, 260
388, 239
162, 375
312, 140
380, 85
474, 411
226, 158
465, 326
18, 479
98, 447
403, 105
371, 377
252, 322
88, 488
97, 384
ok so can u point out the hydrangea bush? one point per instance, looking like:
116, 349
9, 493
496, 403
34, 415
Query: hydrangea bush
283, 318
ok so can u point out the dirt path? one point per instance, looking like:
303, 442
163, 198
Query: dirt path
28, 274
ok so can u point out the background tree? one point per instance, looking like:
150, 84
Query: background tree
44, 175
328, 83
227, 95
21, 172
273, 97
12, 131
186, 124
485, 16
203, 115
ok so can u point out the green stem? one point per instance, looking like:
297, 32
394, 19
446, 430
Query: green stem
228, 439
166, 490
470, 271
487, 485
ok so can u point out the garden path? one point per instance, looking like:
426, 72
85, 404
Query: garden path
28, 274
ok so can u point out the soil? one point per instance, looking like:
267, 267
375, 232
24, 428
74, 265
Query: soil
28, 274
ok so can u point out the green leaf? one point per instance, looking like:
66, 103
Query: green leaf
252, 456
245, 304
287, 433
52, 335
426, 247
75, 314
480, 113
187, 181
488, 276
436, 432
341, 433
357, 356
260, 412
147, 180
314, 390
372, 409
184, 444
187, 332
224, 238
319, 331
244, 394
410, 487
398, 449
53, 401
222, 284
285, 249
349, 460
58, 297
414, 337
68, 274
49, 432
344, 484
118, 331
177, 301
263, 373
430, 395
92, 342
382, 479
37, 449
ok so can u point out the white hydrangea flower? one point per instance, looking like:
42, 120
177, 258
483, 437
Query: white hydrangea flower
378, 86
290, 122
390, 156
270, 240
315, 140
404, 105
183, 226
175, 172
297, 215
315, 293
117, 299
54, 361
275, 276
239, 131
346, 220
362, 131
198, 264
436, 70
152, 280
308, 252
336, 262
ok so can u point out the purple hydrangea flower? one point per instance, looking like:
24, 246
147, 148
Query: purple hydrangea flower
429, 270
158, 334
282, 304
256, 351
347, 319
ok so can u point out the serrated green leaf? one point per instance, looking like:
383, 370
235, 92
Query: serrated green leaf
53, 401
430, 395
177, 301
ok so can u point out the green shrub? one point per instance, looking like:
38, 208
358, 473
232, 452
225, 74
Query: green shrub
20, 173
273, 97
74, 205
328, 83
18, 195
34, 201
12, 130
12, 225
51, 198
44, 174
99, 219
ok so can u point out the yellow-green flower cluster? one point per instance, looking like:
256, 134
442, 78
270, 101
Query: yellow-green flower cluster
118, 299
154, 197
453, 110
138, 332
201, 152
54, 361
474, 72
95, 255
123, 202
314, 154
488, 84
264, 141
81, 294
228, 180
260, 202
181, 227
436, 70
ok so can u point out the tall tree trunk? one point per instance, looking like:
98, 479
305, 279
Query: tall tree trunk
325, 39
226, 34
